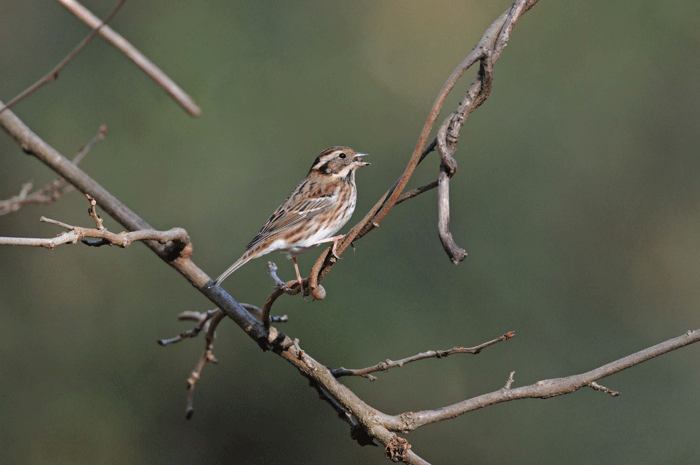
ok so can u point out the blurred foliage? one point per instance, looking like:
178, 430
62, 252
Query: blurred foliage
577, 199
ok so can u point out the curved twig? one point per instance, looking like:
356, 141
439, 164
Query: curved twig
490, 47
374, 424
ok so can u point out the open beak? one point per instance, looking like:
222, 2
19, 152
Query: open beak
358, 159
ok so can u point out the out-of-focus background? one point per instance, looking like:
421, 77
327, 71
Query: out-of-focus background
577, 198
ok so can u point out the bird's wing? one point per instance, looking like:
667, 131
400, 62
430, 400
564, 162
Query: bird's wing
306, 201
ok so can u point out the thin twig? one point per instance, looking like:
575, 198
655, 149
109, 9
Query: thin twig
598, 387
92, 211
121, 44
511, 379
272, 271
53, 74
491, 45
388, 364
199, 317
207, 357
123, 239
258, 313
267, 307
541, 390
53, 190
417, 191
203, 318
101, 133
208, 322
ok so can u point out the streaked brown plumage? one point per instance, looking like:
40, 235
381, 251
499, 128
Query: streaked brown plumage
315, 210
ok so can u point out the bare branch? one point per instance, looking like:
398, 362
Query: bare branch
388, 364
368, 422
510, 381
291, 288
542, 389
203, 318
53, 190
454, 252
598, 387
101, 133
92, 211
53, 74
199, 317
272, 271
258, 313
177, 236
121, 44
207, 357
208, 322
489, 48
417, 191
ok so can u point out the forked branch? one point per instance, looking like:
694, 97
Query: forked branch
487, 51
368, 424
178, 237
542, 389
53, 190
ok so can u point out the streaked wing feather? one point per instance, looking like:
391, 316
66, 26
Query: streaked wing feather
289, 215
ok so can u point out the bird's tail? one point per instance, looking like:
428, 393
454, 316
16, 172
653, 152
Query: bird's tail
239, 263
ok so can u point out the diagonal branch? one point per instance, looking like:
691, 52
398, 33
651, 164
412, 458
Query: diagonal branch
123, 45
371, 420
53, 74
33, 145
53, 190
489, 48
369, 423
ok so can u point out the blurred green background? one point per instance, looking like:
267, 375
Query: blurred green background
577, 199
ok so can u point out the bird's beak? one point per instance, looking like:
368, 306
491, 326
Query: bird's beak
358, 159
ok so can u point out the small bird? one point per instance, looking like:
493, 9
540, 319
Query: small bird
315, 210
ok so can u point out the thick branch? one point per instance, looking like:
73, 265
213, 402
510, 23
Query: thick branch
32, 144
377, 425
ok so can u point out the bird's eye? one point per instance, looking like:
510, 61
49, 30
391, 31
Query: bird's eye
342, 155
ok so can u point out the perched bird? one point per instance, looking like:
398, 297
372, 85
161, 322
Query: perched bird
315, 210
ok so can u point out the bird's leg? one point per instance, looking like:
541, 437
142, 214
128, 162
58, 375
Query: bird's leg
299, 278
334, 240
334, 249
